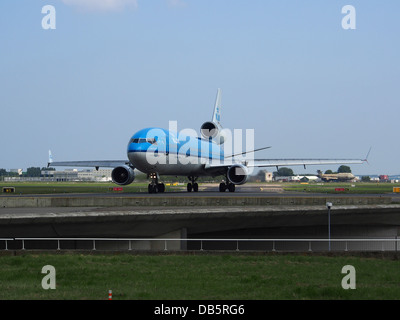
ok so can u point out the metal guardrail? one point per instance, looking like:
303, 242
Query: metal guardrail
238, 243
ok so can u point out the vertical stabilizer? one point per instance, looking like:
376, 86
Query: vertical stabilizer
50, 158
217, 109
213, 129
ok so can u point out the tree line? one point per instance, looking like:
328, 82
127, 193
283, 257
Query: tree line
30, 172
287, 172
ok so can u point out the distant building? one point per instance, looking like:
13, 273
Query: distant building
67, 175
383, 178
19, 171
297, 178
268, 176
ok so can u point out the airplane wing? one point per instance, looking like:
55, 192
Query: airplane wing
259, 163
301, 162
95, 164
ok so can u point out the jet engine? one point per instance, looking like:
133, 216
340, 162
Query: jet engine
123, 175
214, 131
237, 174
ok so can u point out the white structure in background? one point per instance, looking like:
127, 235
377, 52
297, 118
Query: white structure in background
75, 175
19, 171
268, 176
297, 178
67, 175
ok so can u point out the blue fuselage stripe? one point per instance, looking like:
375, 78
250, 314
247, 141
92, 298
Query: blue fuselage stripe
167, 144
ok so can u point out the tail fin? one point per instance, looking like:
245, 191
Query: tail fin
50, 158
217, 109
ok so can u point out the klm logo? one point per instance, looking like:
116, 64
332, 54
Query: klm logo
217, 116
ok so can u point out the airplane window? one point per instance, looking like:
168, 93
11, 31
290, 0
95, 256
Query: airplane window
151, 140
143, 140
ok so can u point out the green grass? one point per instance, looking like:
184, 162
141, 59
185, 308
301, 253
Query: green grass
72, 187
353, 188
197, 277
96, 187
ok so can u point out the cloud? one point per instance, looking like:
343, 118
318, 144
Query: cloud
101, 5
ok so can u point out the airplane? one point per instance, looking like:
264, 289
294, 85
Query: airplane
156, 152
343, 176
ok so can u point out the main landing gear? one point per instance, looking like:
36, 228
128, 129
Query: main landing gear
192, 185
154, 185
226, 186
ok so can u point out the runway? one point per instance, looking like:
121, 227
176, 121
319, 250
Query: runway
241, 191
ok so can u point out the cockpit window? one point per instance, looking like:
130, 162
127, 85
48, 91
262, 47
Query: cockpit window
143, 140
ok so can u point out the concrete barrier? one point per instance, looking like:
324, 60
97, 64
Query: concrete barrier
173, 201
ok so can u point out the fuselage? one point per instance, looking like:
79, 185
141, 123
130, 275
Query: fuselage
157, 150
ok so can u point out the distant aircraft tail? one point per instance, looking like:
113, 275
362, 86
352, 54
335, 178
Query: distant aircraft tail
50, 158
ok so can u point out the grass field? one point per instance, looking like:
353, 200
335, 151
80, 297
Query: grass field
354, 188
73, 187
197, 277
93, 187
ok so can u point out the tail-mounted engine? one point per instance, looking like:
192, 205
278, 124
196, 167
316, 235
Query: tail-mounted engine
237, 174
123, 175
210, 130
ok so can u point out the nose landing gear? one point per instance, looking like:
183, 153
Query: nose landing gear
154, 185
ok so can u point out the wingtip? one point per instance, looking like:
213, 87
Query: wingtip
366, 157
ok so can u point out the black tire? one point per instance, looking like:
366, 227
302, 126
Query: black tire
152, 188
189, 187
222, 187
161, 187
195, 187
231, 187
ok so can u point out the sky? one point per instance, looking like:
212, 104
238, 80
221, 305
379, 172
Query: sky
290, 70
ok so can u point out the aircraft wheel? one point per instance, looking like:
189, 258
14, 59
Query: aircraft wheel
222, 187
152, 188
161, 187
231, 187
195, 187
189, 187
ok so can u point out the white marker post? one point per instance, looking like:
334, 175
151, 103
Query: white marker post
329, 206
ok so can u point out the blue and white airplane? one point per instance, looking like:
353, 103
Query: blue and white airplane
157, 152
